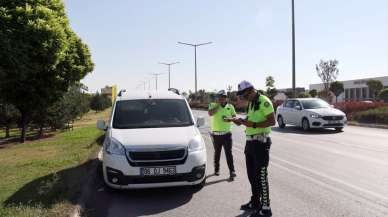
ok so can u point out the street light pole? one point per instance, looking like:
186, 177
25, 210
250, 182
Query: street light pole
169, 72
195, 60
156, 79
293, 50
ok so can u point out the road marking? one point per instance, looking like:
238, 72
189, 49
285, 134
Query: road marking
334, 151
354, 187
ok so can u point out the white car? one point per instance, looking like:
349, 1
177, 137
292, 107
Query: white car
152, 140
310, 113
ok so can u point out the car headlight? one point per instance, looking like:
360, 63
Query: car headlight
315, 116
112, 146
196, 144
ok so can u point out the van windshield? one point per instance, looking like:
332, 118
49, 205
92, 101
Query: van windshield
151, 113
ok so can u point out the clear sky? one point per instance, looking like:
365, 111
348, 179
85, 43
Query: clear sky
251, 40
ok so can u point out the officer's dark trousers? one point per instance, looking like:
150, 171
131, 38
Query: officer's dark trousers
225, 141
257, 158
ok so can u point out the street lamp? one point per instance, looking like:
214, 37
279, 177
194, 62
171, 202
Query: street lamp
195, 58
156, 79
293, 50
169, 72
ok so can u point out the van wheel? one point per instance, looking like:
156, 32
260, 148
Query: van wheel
305, 124
281, 122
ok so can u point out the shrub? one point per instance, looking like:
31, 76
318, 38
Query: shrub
378, 115
357, 106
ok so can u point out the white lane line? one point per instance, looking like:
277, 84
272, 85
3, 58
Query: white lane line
334, 151
365, 191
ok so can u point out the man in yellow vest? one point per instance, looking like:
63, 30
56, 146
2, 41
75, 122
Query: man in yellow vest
221, 113
260, 118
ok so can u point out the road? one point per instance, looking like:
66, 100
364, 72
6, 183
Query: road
316, 174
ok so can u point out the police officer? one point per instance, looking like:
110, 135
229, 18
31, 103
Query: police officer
221, 113
260, 118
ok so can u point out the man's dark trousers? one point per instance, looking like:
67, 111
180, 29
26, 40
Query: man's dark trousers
257, 159
225, 141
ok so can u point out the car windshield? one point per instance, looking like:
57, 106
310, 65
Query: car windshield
314, 104
151, 113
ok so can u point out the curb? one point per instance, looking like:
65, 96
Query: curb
86, 191
379, 126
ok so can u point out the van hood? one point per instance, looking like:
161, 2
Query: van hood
171, 137
327, 111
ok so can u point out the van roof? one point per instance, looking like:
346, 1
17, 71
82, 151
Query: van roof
132, 95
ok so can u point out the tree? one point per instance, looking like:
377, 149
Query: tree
99, 102
375, 86
40, 55
337, 88
328, 72
8, 116
384, 95
304, 95
313, 93
71, 106
270, 84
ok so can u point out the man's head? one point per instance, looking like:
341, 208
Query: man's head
246, 91
222, 97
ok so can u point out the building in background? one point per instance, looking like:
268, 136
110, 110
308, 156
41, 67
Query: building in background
355, 90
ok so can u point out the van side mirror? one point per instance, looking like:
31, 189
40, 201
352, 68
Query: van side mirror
200, 121
298, 107
101, 125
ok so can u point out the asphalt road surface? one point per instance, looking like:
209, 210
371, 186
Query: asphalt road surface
314, 174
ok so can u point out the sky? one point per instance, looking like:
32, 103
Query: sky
251, 40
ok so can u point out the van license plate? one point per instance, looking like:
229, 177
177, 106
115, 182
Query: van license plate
157, 171
334, 122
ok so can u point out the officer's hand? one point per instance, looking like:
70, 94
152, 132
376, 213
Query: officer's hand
238, 121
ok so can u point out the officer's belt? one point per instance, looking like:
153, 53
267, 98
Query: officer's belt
258, 137
219, 133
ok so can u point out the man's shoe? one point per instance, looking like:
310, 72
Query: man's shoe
250, 206
233, 175
261, 213
216, 173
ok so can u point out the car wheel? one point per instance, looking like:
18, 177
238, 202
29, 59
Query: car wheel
339, 129
305, 124
281, 122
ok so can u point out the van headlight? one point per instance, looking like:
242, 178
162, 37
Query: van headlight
196, 144
316, 116
112, 146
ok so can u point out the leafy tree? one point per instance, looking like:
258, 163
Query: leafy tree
9, 115
270, 84
328, 72
337, 88
375, 86
384, 95
313, 93
40, 55
71, 106
99, 102
304, 95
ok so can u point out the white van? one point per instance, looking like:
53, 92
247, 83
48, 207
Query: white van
152, 140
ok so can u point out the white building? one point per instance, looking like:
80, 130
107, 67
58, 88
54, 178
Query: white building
355, 89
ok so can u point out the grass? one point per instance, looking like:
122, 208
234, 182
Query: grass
44, 177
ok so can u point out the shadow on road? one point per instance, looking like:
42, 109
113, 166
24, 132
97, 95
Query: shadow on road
132, 203
298, 130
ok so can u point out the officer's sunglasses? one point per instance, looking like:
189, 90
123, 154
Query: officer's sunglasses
244, 95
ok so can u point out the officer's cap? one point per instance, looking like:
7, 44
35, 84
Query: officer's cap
221, 93
242, 86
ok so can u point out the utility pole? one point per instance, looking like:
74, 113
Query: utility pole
195, 59
169, 72
293, 50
